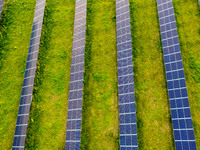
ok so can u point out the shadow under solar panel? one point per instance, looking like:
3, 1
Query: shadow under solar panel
28, 83
177, 90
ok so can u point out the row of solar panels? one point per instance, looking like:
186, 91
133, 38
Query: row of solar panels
28, 83
179, 103
126, 94
177, 90
73, 133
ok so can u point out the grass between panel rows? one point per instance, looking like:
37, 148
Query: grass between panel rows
15, 32
152, 104
188, 24
48, 116
100, 127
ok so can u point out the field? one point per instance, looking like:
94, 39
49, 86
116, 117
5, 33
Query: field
100, 126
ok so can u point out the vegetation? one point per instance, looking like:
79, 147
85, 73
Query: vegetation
152, 104
188, 19
15, 32
100, 124
100, 127
48, 116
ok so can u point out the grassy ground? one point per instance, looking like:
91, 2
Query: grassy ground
100, 127
152, 104
15, 29
188, 22
48, 117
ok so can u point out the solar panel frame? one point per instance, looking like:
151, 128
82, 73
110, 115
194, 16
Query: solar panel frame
29, 76
179, 103
1, 6
126, 93
73, 133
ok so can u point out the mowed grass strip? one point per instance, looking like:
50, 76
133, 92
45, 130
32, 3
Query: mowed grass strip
152, 104
188, 24
100, 122
48, 116
15, 33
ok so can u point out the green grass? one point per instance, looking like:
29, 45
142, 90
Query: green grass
188, 23
48, 116
100, 127
152, 104
15, 32
100, 123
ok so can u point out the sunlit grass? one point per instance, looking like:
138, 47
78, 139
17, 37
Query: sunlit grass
100, 127
152, 104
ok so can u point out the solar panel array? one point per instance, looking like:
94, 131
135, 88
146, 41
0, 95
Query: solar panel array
28, 83
127, 112
179, 103
73, 133
1, 6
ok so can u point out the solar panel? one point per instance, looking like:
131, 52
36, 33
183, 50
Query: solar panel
178, 97
28, 83
127, 112
73, 133
1, 6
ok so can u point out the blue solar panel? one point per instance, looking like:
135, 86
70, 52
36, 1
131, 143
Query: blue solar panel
73, 134
127, 112
179, 103
27, 88
1, 6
